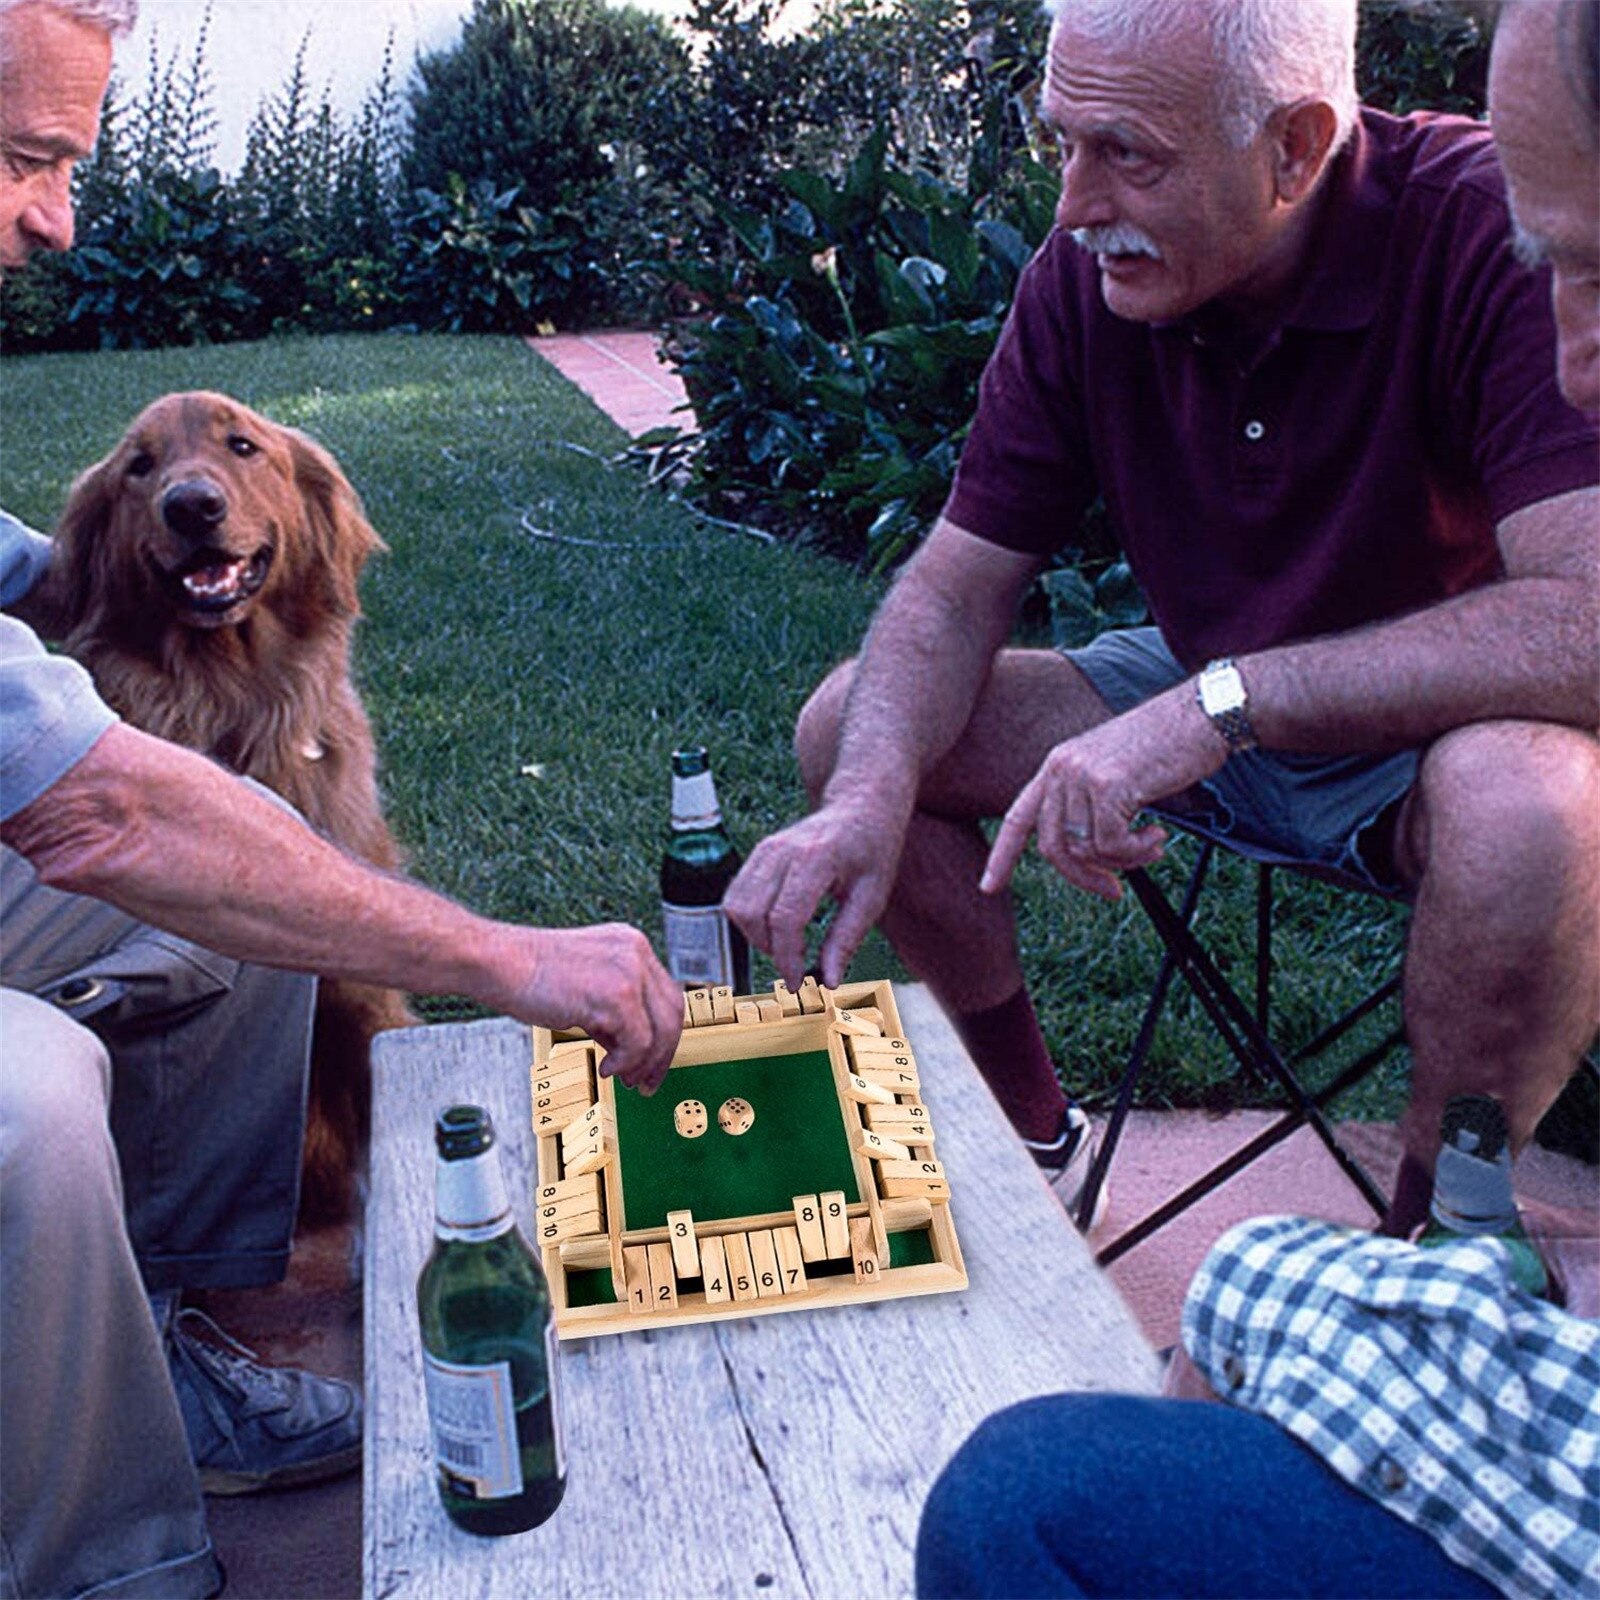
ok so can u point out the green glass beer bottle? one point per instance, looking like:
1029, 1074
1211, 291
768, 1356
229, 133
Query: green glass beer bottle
704, 949
488, 1343
1472, 1195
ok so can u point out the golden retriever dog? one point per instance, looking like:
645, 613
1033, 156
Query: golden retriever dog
205, 573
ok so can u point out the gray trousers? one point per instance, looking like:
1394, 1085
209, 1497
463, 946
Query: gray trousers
151, 1111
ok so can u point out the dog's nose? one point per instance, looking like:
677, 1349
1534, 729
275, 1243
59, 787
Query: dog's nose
193, 509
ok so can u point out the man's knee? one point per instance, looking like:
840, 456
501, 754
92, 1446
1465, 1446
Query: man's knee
1511, 809
816, 732
54, 1100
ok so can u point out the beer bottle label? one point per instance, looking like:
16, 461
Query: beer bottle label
699, 952
474, 1427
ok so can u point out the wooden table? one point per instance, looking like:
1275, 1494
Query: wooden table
784, 1455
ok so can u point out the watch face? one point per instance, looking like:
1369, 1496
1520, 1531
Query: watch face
1221, 691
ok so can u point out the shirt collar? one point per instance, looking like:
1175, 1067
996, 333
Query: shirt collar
1348, 242
1339, 291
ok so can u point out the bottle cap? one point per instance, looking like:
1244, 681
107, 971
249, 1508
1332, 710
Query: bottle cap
1472, 1180
462, 1131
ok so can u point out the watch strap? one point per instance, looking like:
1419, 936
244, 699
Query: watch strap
1230, 715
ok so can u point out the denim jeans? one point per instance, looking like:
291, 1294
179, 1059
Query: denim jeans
1133, 1496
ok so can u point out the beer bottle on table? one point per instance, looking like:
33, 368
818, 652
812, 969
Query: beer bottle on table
1472, 1195
488, 1343
704, 949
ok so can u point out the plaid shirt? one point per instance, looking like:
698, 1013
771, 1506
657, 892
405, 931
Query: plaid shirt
1424, 1379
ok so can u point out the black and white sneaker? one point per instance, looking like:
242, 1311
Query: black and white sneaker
1065, 1162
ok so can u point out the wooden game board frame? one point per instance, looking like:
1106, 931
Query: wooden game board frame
723, 1040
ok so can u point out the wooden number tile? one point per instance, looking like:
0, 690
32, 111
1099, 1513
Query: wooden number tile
688, 1015
868, 1094
863, 1252
568, 1225
835, 1224
714, 1269
663, 1280
900, 1111
680, 1236
808, 1225
741, 1270
904, 1130
902, 1080
699, 1007
589, 1159
583, 1128
746, 1011
764, 1258
863, 1046
907, 1214
636, 1268
791, 1260
902, 1178
769, 1010
878, 1146
788, 1000
722, 1003
811, 996
552, 1079
569, 1189
572, 1205
577, 1094
585, 1144
547, 1124
853, 1023
565, 1050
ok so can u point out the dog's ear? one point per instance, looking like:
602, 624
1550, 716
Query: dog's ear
340, 537
83, 558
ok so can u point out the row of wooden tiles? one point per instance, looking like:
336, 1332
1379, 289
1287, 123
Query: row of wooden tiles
703, 1008
762, 1264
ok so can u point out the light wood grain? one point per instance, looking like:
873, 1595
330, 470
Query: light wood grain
772, 1420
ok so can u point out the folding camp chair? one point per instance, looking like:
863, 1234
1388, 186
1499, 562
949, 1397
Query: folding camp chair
1245, 1030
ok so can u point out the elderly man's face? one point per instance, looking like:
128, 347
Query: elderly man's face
53, 76
1177, 215
1553, 174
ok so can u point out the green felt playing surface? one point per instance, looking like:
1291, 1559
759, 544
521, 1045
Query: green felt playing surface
797, 1144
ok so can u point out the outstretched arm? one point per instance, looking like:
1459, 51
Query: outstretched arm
176, 841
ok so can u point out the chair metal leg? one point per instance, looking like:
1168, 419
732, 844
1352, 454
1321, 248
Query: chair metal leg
1137, 1057
1243, 1036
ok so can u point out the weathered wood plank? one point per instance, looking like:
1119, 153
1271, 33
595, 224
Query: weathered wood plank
770, 1421
1039, 1317
652, 1425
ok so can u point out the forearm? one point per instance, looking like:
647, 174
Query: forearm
1523, 648
177, 842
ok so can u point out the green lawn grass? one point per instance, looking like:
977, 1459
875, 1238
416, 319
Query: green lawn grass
527, 693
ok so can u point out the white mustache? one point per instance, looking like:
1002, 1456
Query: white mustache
1120, 239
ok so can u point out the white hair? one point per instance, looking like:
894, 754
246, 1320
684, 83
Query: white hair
115, 17
111, 17
1268, 53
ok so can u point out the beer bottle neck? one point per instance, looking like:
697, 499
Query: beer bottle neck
694, 803
470, 1201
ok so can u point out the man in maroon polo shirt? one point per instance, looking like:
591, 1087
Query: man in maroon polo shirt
1290, 343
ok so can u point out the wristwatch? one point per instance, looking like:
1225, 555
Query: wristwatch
1221, 693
